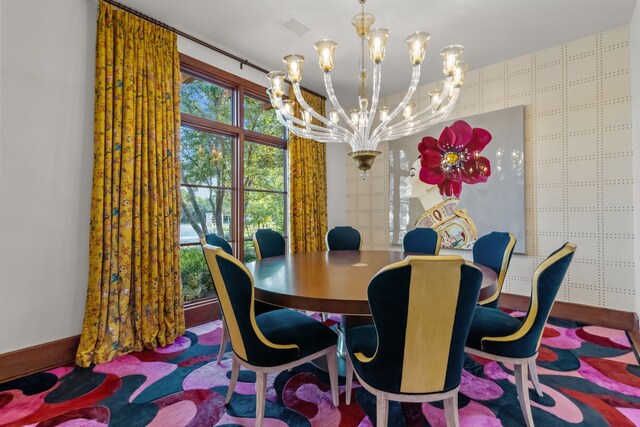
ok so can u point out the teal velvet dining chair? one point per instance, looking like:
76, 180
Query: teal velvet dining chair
494, 250
215, 240
261, 307
422, 240
422, 309
496, 335
269, 342
268, 243
343, 238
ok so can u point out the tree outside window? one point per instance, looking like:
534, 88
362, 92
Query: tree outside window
233, 170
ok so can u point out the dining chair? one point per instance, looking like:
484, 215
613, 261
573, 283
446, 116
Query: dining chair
260, 307
497, 336
268, 243
422, 309
494, 250
422, 240
343, 238
269, 342
215, 240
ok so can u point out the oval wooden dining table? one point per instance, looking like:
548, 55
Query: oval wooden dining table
331, 282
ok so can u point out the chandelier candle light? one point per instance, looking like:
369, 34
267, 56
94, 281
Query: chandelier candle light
355, 127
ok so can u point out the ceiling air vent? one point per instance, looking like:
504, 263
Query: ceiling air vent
296, 27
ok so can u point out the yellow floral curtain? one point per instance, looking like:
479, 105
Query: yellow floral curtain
134, 296
308, 187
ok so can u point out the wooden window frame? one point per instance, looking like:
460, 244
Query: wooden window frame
207, 309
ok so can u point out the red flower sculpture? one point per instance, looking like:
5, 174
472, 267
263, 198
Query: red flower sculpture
455, 158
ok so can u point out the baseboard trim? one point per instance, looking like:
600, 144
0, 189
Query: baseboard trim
203, 311
38, 358
597, 316
49, 355
52, 354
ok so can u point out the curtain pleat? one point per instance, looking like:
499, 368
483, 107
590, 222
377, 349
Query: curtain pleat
308, 187
134, 295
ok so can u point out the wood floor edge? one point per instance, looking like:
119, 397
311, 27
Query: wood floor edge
596, 316
37, 358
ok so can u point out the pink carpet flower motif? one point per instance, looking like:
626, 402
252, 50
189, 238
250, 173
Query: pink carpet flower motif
455, 158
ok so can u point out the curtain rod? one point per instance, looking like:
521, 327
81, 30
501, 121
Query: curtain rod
200, 42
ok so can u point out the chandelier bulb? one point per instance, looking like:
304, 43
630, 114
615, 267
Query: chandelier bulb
417, 43
354, 116
289, 106
377, 39
407, 111
294, 67
459, 72
435, 96
325, 49
450, 56
276, 80
333, 116
384, 113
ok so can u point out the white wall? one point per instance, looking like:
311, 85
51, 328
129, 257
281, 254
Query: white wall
46, 163
46, 147
634, 47
578, 164
204, 54
336, 194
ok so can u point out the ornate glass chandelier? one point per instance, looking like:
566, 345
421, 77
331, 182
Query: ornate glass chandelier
356, 127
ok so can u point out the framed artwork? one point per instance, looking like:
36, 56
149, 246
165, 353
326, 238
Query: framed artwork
464, 178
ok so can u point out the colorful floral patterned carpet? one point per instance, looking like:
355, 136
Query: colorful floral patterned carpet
590, 377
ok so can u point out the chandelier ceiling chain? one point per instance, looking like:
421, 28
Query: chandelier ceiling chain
356, 127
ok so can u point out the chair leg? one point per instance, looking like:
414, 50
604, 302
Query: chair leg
223, 341
261, 396
382, 415
235, 370
451, 411
324, 316
533, 372
332, 364
522, 377
348, 379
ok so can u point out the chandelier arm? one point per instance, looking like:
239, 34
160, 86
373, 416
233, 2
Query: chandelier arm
425, 115
413, 128
415, 78
328, 84
377, 77
311, 131
339, 129
409, 128
287, 120
429, 110
399, 133
306, 133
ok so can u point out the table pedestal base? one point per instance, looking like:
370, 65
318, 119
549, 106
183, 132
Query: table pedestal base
346, 323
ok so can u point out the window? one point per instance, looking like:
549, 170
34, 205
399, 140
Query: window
233, 168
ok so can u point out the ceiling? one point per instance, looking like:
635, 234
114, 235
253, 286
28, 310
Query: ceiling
490, 30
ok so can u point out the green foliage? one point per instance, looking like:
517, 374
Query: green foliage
206, 100
196, 280
206, 160
259, 117
249, 251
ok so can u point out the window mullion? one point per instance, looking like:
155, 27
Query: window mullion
239, 164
